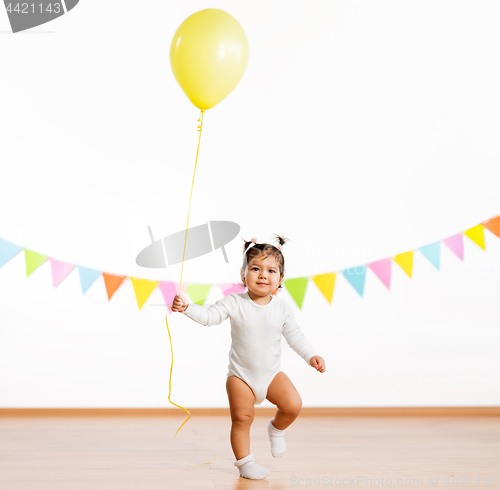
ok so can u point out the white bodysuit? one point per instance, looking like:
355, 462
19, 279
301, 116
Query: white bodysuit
255, 355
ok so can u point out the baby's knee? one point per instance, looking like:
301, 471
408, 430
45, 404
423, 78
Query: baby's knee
242, 418
294, 407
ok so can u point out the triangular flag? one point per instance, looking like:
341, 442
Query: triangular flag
382, 269
60, 270
456, 244
297, 289
169, 290
112, 283
33, 260
87, 277
143, 289
355, 278
405, 261
493, 225
8, 251
326, 284
431, 251
228, 289
198, 292
476, 234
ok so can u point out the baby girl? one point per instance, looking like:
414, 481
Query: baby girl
258, 319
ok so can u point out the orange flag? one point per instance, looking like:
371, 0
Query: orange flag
112, 282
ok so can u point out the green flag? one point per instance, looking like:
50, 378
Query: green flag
297, 288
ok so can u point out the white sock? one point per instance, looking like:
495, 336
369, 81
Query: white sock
250, 469
277, 438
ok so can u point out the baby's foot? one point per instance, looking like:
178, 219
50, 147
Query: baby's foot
277, 438
250, 469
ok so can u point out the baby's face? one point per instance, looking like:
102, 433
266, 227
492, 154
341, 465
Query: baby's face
262, 276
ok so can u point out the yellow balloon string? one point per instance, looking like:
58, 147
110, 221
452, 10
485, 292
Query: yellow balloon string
200, 127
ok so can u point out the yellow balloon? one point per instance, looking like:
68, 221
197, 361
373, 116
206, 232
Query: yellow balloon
209, 54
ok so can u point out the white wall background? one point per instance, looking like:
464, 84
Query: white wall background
360, 130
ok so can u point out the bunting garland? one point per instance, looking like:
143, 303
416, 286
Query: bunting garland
297, 286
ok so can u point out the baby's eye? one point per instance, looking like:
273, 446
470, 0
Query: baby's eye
271, 270
254, 268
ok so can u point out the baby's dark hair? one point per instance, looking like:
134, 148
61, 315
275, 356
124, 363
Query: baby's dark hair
267, 250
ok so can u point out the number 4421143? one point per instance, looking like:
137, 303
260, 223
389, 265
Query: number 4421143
31, 8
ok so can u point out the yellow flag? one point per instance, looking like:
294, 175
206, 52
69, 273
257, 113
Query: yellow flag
405, 261
476, 234
325, 283
142, 289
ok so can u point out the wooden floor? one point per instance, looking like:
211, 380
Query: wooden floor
139, 453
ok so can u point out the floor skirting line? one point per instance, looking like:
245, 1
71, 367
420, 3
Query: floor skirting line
264, 412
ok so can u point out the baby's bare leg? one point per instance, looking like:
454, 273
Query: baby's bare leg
284, 395
241, 405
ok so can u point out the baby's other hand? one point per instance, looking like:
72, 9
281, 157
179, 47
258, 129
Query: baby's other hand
180, 303
318, 363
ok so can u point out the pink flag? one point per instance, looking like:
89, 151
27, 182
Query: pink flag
227, 289
59, 270
382, 269
456, 244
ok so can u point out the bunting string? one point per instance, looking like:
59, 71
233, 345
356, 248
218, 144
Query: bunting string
326, 282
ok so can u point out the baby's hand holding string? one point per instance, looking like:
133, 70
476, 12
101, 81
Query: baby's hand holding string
318, 362
180, 303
